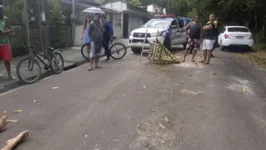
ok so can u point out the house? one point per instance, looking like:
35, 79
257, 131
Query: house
155, 9
131, 17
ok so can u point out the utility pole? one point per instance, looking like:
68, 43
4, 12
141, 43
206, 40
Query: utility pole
26, 20
73, 18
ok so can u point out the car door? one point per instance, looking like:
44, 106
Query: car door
181, 35
174, 29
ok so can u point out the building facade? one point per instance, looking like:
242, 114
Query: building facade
131, 17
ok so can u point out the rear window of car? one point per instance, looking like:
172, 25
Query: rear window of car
237, 29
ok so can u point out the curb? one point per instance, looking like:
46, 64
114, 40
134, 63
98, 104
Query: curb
18, 83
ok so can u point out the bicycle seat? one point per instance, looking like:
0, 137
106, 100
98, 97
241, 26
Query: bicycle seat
113, 37
50, 48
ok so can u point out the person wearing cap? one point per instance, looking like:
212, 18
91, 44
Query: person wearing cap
209, 39
5, 48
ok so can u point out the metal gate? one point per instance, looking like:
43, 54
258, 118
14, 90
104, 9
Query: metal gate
36, 12
125, 25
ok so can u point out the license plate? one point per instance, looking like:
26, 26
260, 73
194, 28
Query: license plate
239, 37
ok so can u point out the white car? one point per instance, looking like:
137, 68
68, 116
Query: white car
154, 26
235, 36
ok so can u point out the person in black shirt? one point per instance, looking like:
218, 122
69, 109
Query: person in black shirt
209, 39
194, 38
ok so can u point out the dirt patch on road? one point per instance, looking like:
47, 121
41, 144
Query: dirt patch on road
258, 58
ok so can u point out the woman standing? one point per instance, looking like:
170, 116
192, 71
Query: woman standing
85, 33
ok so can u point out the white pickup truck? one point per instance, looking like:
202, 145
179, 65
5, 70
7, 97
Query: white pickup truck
155, 25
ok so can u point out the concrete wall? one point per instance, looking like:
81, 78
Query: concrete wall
77, 41
118, 30
118, 6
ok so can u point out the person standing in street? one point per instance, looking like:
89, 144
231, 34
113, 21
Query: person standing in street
96, 34
215, 45
194, 38
85, 37
107, 34
209, 39
5, 48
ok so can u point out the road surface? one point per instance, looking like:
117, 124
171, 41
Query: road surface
131, 106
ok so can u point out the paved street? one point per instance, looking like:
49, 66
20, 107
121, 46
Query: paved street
131, 106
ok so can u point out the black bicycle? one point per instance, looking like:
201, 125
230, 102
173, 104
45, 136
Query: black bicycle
118, 50
53, 62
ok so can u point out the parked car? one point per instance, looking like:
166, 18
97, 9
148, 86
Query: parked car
158, 24
186, 21
235, 36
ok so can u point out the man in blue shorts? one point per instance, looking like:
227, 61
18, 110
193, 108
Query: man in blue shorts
96, 33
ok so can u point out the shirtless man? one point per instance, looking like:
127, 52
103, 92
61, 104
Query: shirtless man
194, 38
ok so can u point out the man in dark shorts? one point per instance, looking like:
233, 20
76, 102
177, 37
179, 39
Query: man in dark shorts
194, 38
96, 33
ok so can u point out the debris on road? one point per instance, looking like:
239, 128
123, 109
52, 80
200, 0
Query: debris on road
12, 121
97, 147
214, 74
56, 87
18, 111
161, 126
86, 136
191, 92
244, 90
144, 86
34, 101
166, 119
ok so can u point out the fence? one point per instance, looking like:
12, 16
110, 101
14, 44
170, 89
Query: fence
60, 36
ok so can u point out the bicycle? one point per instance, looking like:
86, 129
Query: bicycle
122, 50
53, 59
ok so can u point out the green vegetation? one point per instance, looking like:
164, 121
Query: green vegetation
14, 10
238, 12
135, 3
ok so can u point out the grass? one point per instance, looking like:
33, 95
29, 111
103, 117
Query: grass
258, 56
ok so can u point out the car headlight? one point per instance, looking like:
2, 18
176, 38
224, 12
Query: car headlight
131, 33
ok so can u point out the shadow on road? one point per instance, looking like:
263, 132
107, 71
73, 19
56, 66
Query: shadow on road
238, 49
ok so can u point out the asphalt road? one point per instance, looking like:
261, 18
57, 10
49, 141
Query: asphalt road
128, 105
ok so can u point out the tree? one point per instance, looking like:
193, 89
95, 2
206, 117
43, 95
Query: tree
136, 3
13, 9
55, 12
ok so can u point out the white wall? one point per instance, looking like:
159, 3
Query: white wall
77, 41
118, 6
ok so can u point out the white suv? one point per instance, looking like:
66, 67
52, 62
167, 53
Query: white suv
153, 26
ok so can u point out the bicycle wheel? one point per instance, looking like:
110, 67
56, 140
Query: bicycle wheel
85, 51
25, 69
57, 63
118, 50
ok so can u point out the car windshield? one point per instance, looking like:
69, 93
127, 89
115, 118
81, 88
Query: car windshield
237, 29
157, 23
